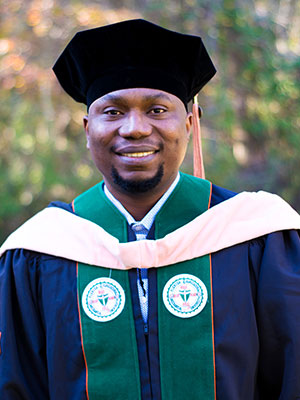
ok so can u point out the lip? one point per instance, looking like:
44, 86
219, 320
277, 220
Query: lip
142, 159
138, 154
136, 149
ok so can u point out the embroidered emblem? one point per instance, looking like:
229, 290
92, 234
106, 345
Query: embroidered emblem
103, 299
185, 295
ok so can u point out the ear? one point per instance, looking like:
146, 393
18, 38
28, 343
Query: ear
188, 124
86, 129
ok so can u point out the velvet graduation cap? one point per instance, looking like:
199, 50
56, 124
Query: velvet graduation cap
133, 54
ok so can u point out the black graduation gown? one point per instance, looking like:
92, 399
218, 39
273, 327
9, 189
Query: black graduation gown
256, 293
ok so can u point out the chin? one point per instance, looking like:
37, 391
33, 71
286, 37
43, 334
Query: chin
137, 185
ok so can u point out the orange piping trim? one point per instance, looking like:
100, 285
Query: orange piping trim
73, 206
81, 338
213, 329
212, 309
210, 194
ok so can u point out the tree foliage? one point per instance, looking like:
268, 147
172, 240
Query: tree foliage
251, 118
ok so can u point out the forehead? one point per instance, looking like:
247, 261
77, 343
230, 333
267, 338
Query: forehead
135, 96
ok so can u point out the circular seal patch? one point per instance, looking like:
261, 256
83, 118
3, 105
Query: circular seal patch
103, 299
185, 295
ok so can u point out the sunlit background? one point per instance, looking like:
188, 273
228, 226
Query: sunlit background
251, 123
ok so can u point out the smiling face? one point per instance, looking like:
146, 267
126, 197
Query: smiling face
138, 139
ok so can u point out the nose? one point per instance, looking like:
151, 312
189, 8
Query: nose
135, 126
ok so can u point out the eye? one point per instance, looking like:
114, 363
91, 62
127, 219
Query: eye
157, 110
112, 112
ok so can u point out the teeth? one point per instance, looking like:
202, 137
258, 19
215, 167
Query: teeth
140, 154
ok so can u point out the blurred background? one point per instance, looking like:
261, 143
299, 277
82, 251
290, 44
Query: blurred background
251, 122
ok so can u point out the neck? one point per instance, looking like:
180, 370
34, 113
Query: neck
138, 204
138, 208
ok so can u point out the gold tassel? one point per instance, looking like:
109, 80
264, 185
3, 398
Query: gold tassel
197, 146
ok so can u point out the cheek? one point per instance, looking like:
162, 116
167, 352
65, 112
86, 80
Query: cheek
96, 142
182, 143
98, 148
182, 147
176, 149
178, 136
100, 133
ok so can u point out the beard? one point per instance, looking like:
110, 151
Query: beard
137, 186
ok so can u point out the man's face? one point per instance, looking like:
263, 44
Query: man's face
137, 139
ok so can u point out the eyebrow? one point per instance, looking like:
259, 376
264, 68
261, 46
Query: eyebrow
120, 99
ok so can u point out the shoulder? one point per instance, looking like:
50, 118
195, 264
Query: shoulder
36, 229
257, 205
219, 194
196, 186
275, 224
62, 205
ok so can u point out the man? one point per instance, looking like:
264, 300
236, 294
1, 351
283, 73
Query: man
209, 309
